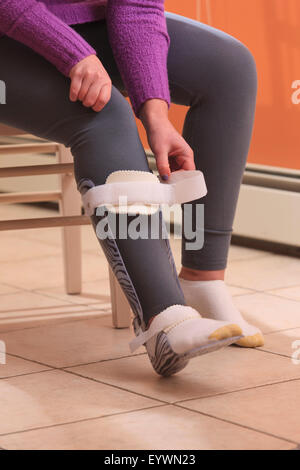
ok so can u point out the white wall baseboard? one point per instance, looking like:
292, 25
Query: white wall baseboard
268, 214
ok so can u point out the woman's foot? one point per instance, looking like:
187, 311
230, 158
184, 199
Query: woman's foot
212, 300
178, 334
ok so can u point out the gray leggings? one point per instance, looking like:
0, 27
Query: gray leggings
210, 72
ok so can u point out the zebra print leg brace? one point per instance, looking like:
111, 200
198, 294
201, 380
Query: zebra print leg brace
165, 353
137, 192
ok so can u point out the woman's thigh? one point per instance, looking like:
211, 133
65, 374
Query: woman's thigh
37, 94
37, 101
203, 60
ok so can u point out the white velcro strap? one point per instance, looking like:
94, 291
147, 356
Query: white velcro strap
182, 186
169, 317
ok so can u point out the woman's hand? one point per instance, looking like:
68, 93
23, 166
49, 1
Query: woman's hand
171, 151
90, 83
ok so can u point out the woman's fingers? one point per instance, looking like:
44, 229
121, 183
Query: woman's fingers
75, 87
90, 83
103, 97
182, 160
167, 164
188, 164
91, 95
162, 163
85, 85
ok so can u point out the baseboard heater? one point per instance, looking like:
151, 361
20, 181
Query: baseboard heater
268, 211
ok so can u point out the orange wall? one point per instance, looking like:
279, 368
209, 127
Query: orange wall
271, 30
182, 7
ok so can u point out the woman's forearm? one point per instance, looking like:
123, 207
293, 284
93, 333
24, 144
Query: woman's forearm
139, 39
30, 22
153, 112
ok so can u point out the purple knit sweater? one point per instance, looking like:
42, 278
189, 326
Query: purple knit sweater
136, 28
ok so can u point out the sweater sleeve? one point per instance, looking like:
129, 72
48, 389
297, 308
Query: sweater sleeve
139, 39
30, 22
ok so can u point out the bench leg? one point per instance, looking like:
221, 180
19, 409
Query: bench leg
70, 204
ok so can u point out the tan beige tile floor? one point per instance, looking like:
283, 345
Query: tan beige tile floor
70, 382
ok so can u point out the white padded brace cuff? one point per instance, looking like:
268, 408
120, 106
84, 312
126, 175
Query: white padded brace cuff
143, 188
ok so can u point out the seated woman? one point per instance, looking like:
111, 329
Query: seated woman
66, 65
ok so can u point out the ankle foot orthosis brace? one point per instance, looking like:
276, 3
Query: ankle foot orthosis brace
140, 189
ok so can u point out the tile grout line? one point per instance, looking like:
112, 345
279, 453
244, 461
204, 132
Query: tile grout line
67, 370
12, 293
91, 379
252, 258
243, 295
11, 285
274, 353
239, 425
191, 399
34, 361
144, 354
229, 392
24, 375
262, 291
50, 307
63, 369
36, 316
271, 294
61, 322
39, 316
281, 331
30, 309
117, 387
104, 360
35, 258
45, 256
82, 420
45, 294
251, 289
69, 367
294, 285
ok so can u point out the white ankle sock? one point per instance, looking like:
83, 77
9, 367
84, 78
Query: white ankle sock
212, 299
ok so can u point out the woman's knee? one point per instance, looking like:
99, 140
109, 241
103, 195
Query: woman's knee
244, 63
105, 129
107, 141
235, 66
113, 117
204, 61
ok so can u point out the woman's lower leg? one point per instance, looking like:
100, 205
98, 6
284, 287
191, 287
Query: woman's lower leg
218, 82
214, 75
143, 266
218, 127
